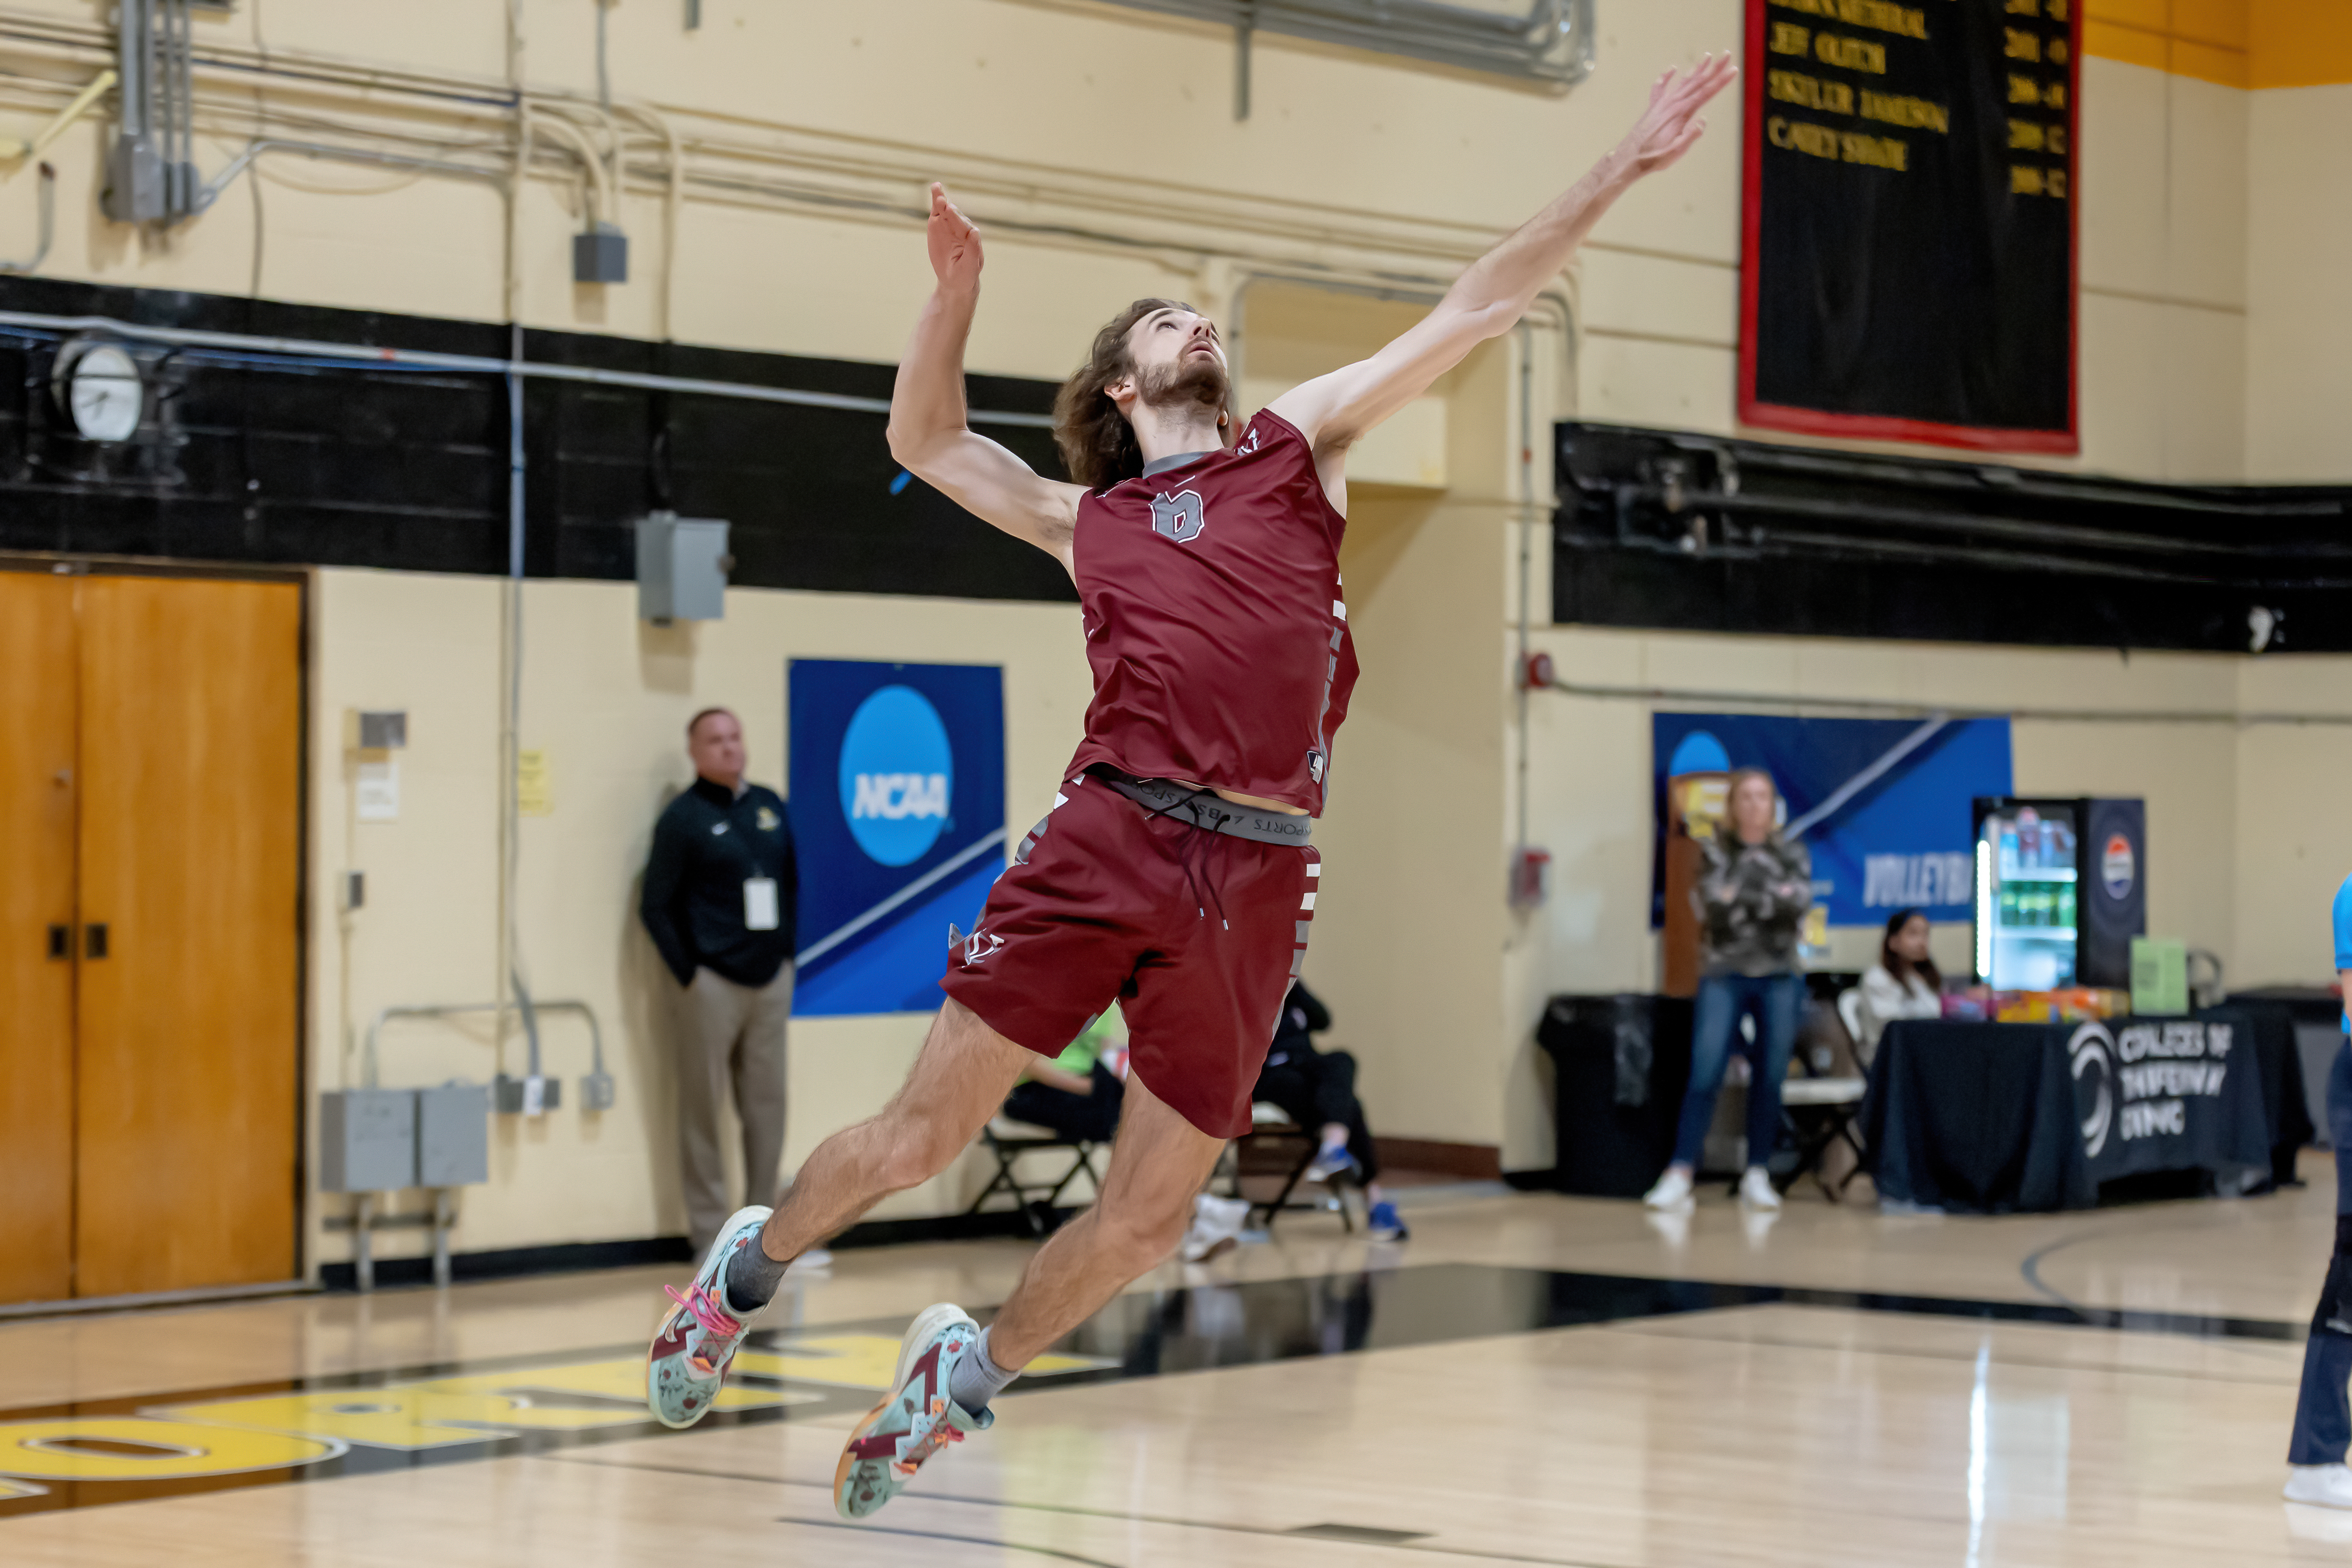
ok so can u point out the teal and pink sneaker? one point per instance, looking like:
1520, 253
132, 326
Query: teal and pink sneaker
687, 1363
916, 1421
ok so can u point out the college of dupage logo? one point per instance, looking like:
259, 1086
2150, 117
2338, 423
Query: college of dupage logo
2140, 1082
2093, 1051
897, 775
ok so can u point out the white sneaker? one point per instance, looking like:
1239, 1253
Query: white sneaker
815, 1260
2325, 1486
1673, 1192
1756, 1189
1216, 1227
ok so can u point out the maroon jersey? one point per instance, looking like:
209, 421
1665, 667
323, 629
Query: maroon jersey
1214, 624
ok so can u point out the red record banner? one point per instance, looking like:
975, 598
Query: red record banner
1909, 233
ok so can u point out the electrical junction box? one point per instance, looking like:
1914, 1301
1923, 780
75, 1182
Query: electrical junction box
453, 1135
367, 1140
682, 565
600, 256
376, 729
534, 1095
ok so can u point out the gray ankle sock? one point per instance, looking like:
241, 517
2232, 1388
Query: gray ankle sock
977, 1378
751, 1278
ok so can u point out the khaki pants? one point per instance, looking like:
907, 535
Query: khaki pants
729, 1032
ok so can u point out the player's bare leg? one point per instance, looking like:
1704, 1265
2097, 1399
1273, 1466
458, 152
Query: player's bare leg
948, 1370
1159, 1162
962, 1075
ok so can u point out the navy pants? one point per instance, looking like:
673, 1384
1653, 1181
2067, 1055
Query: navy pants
1775, 1002
2323, 1412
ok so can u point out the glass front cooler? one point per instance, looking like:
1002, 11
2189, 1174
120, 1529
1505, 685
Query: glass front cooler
2028, 864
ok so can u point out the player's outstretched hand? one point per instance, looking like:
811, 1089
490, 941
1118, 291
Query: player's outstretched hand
1670, 126
955, 244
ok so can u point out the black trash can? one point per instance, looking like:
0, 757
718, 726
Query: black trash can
1620, 1065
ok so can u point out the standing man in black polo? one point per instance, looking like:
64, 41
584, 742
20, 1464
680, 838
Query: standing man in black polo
719, 899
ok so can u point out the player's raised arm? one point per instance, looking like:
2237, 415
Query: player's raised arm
928, 432
1333, 411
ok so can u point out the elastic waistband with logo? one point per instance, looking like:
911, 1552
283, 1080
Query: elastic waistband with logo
1209, 813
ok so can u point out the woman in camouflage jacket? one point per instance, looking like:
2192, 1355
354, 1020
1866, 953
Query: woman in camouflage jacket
1754, 888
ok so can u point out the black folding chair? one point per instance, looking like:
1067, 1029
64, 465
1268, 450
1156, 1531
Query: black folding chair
1008, 1141
1270, 1128
1819, 1112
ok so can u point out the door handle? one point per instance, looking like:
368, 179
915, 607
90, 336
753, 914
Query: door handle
94, 940
61, 941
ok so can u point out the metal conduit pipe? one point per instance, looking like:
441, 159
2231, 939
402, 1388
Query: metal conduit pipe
237, 165
1802, 705
601, 192
370, 1061
1550, 44
364, 357
47, 198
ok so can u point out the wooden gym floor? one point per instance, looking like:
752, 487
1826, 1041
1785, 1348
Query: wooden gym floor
1530, 1380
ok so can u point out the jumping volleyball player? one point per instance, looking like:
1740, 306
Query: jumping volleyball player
1174, 871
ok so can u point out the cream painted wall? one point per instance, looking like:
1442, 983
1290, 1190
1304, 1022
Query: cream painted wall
606, 697
825, 120
2299, 351
2246, 840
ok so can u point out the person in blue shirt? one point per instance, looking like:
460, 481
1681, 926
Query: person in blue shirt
2323, 1412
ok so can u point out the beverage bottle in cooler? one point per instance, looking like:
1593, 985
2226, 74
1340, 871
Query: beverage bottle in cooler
2066, 905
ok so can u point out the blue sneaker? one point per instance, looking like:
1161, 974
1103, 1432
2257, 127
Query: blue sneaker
1328, 1163
1385, 1224
687, 1363
916, 1421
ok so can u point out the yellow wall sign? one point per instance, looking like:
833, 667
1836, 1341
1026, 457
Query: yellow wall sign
535, 784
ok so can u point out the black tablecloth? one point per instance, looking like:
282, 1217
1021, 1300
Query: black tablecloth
1994, 1117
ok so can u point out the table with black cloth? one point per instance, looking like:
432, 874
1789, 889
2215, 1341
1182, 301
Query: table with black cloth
1999, 1118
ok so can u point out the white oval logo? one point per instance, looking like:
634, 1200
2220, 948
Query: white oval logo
2117, 868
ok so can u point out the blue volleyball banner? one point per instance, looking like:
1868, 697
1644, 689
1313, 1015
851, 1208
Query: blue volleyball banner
898, 799
1885, 805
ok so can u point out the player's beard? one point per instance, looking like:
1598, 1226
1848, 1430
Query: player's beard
1197, 379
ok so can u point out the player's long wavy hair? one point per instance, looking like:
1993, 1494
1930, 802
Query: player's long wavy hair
1099, 446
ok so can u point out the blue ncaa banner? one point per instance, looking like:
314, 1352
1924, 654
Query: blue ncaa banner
1889, 799
898, 802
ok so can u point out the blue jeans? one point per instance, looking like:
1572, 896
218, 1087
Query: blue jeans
1773, 1000
2323, 1412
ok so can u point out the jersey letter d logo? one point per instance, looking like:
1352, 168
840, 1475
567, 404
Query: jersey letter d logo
1181, 517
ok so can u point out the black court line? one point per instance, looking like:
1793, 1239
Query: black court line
1966, 1359
1418, 1542
942, 1535
1148, 1333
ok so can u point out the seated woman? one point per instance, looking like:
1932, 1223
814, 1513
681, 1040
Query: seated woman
1078, 1093
1754, 888
1902, 983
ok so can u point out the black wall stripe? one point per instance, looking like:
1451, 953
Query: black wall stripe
350, 466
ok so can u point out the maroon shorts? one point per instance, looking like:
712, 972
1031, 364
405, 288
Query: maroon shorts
1196, 935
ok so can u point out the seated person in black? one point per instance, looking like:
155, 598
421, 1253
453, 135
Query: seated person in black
1076, 1094
1317, 1090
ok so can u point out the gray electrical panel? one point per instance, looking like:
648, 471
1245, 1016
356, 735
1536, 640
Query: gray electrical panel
682, 565
367, 1140
453, 1135
600, 256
